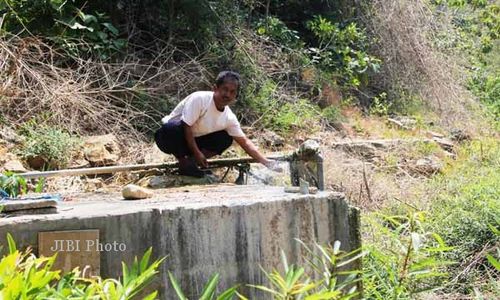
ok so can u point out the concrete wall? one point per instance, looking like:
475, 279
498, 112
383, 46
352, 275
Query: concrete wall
230, 237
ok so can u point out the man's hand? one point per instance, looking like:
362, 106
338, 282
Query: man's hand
201, 159
274, 165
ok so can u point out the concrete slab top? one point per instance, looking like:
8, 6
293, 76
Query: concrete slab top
91, 205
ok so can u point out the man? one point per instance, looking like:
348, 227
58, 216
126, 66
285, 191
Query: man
202, 126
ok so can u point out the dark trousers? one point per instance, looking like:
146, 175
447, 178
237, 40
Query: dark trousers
170, 139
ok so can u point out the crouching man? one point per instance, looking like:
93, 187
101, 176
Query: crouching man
202, 126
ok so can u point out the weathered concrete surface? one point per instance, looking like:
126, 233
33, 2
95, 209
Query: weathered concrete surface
231, 230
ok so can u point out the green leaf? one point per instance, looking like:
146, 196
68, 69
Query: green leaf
176, 287
12, 243
111, 28
228, 294
210, 287
493, 261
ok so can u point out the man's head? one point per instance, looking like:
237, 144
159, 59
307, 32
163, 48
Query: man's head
226, 88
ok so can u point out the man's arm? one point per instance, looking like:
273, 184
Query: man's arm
252, 150
191, 143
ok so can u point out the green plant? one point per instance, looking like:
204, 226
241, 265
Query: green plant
342, 50
465, 208
380, 105
331, 114
404, 259
25, 276
327, 281
12, 184
65, 23
275, 29
53, 145
209, 291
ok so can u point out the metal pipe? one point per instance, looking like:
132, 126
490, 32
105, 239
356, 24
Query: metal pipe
212, 163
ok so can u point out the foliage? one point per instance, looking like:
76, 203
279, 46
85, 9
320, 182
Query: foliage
466, 209
404, 259
277, 30
342, 50
208, 292
327, 280
52, 144
12, 184
25, 276
66, 23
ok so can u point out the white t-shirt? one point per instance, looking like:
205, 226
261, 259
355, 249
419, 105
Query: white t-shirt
198, 111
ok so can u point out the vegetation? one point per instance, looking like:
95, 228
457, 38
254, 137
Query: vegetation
91, 67
25, 276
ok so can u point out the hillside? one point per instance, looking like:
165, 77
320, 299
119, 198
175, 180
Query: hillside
403, 97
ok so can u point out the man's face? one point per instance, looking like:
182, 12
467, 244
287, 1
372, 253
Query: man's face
225, 94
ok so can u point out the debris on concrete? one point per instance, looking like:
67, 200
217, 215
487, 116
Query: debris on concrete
135, 192
296, 189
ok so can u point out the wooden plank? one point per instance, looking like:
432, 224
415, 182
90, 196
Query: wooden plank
13, 205
74, 248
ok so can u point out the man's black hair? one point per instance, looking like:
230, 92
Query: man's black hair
226, 76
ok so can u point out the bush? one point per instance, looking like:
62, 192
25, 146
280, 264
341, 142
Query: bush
25, 276
53, 145
466, 208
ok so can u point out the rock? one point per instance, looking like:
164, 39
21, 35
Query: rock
9, 135
364, 149
428, 165
403, 122
93, 184
434, 134
134, 192
272, 139
14, 166
101, 150
444, 143
459, 135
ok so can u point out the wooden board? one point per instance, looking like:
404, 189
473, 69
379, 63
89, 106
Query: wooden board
75, 248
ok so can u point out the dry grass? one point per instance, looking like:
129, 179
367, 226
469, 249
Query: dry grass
89, 96
405, 31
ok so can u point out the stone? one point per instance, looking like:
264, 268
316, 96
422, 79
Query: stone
14, 166
272, 139
135, 192
428, 165
93, 184
403, 122
459, 135
9, 135
101, 150
445, 144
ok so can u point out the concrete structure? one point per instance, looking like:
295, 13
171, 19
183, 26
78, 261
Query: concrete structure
232, 230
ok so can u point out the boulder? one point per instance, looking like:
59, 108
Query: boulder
10, 136
459, 135
134, 192
101, 150
272, 139
14, 166
428, 165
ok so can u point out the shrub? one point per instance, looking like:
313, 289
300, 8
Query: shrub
25, 276
466, 207
12, 184
51, 144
